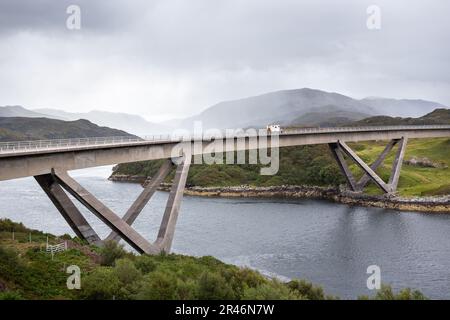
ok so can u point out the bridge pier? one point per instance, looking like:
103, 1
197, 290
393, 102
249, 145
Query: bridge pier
169, 220
340, 148
67, 208
105, 214
54, 183
144, 197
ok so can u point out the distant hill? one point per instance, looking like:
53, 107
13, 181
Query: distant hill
19, 128
302, 107
281, 107
438, 116
401, 107
328, 116
18, 111
128, 122
298, 107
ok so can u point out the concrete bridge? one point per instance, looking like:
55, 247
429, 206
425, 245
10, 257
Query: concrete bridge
48, 161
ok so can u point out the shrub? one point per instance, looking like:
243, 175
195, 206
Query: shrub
145, 264
186, 290
101, 284
213, 286
10, 295
270, 291
158, 286
386, 293
10, 265
126, 271
306, 289
110, 252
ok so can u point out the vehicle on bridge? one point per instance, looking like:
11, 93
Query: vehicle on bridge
272, 128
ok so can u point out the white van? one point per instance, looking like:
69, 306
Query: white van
271, 128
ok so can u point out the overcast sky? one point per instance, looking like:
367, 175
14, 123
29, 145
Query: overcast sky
173, 58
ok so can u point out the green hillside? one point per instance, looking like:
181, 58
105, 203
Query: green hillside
306, 165
18, 128
28, 272
438, 116
414, 180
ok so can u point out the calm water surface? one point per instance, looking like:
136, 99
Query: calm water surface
326, 243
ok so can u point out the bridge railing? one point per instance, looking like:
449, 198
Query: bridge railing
57, 144
64, 143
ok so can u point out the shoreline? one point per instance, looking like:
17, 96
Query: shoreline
440, 204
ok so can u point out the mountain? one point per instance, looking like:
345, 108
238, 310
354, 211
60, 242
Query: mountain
327, 116
128, 122
280, 107
438, 116
302, 107
18, 111
401, 107
19, 128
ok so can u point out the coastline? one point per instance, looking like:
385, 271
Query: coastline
440, 204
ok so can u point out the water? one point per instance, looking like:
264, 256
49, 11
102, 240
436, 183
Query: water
327, 243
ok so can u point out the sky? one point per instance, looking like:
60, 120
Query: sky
167, 59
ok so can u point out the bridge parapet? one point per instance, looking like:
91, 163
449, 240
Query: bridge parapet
66, 144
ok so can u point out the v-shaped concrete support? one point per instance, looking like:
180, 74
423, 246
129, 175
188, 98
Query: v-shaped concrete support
169, 220
108, 217
339, 157
374, 166
144, 197
369, 171
68, 210
398, 162
54, 183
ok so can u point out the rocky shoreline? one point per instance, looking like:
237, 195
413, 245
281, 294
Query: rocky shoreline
439, 204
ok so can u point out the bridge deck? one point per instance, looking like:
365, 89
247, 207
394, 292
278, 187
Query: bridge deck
18, 148
31, 158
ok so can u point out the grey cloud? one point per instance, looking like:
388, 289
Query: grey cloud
177, 56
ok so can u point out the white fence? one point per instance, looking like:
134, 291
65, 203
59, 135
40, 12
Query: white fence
56, 247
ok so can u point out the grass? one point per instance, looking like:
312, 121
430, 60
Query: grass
414, 180
28, 272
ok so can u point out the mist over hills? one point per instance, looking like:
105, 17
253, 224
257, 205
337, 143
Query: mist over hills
19, 111
401, 107
131, 123
302, 107
298, 107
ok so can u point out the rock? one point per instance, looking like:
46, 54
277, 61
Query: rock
423, 162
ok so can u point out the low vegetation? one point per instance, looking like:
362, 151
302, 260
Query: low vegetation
28, 272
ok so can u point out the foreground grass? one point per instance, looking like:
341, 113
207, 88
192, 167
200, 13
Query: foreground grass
28, 272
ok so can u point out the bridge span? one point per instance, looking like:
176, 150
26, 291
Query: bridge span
48, 161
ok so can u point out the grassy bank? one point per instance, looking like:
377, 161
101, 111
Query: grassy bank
314, 166
414, 180
28, 272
